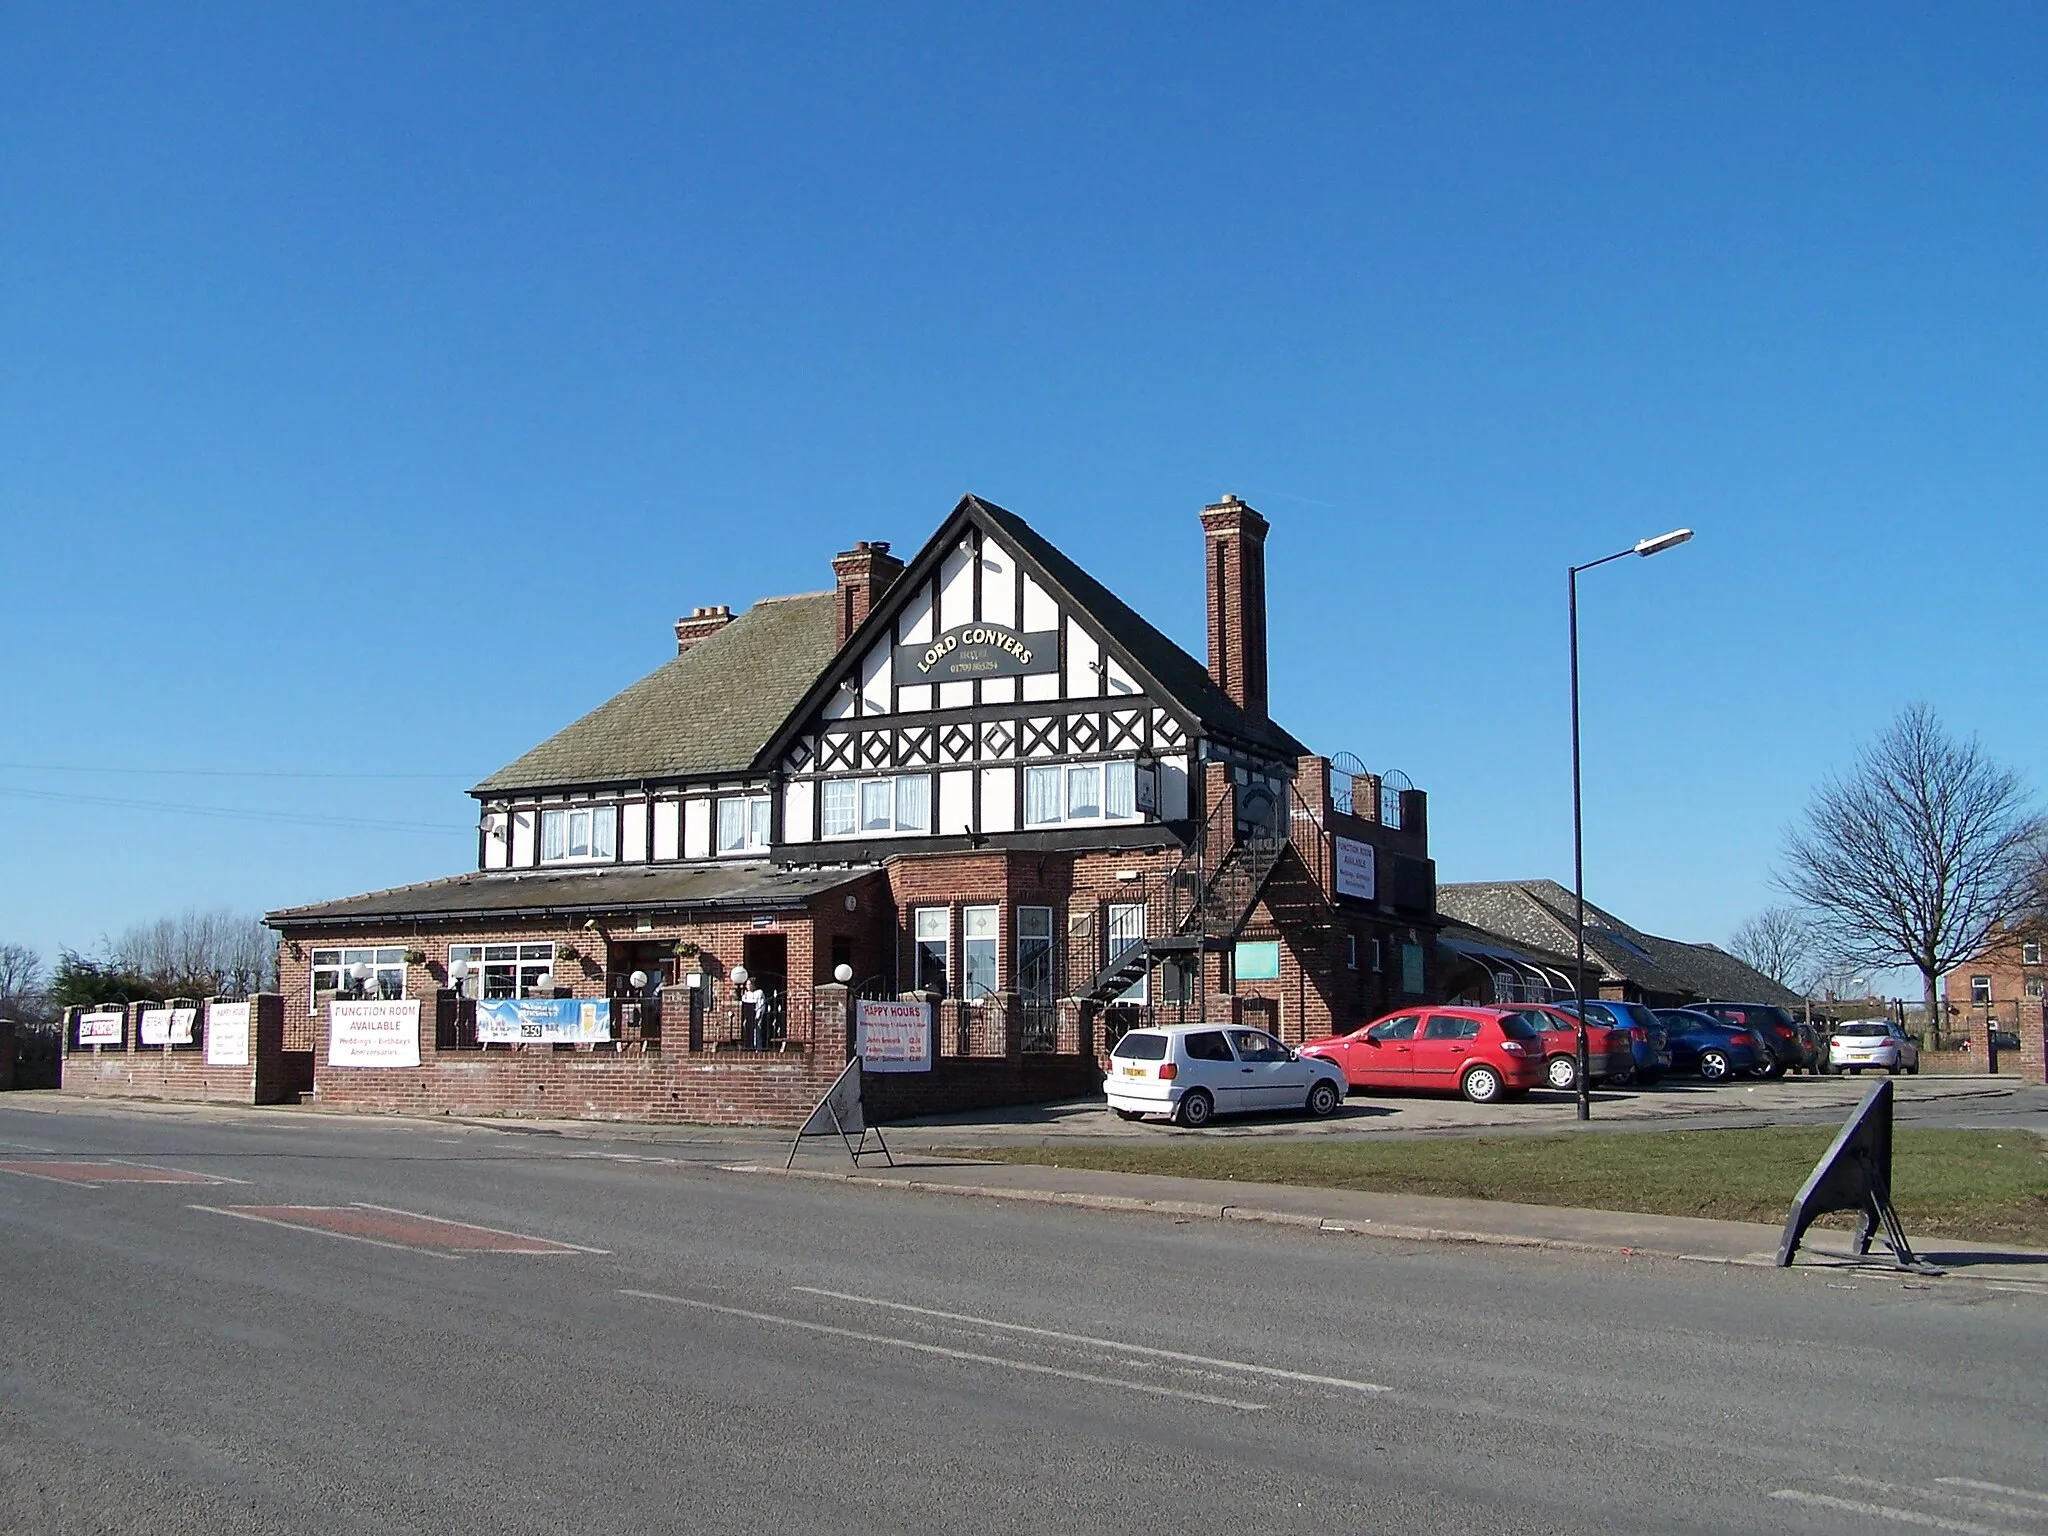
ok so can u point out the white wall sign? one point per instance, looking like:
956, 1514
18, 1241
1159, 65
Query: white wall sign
227, 1034
100, 1028
168, 1026
373, 1033
895, 1037
1357, 875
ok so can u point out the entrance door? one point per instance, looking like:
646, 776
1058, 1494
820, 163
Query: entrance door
764, 1008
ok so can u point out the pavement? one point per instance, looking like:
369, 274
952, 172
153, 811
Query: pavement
245, 1321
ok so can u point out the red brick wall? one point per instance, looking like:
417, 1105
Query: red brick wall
181, 1072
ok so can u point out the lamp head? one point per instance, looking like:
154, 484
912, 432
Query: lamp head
739, 975
639, 980
1663, 541
545, 981
842, 973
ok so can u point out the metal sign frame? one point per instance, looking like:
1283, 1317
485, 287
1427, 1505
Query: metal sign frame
839, 1114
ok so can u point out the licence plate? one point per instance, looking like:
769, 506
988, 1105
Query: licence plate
1134, 1071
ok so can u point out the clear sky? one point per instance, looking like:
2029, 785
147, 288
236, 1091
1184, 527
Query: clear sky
378, 384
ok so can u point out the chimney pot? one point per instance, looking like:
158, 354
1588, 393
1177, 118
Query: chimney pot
701, 624
864, 575
1235, 540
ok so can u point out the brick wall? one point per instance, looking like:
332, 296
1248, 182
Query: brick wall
133, 1070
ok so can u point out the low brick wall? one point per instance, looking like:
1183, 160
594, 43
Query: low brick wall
181, 1072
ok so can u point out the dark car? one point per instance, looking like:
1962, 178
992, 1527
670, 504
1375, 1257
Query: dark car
1712, 1047
1651, 1058
1793, 1046
1608, 1051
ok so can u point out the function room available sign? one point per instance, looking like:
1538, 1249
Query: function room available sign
1357, 875
373, 1033
969, 651
895, 1037
227, 1034
103, 1028
168, 1026
553, 1020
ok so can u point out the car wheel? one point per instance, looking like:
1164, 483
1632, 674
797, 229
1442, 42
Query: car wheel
1620, 1079
1563, 1072
1913, 1070
1323, 1099
1713, 1065
1130, 1114
1649, 1079
1769, 1072
1196, 1109
1891, 1071
1855, 1071
1482, 1085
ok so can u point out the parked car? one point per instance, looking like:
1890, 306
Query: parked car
1793, 1046
1482, 1053
1193, 1072
1649, 1058
1609, 1052
1712, 1047
1864, 1043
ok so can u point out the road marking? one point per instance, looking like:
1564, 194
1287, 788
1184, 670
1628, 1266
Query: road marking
1888, 1512
1083, 1338
385, 1226
970, 1356
2011, 1493
83, 1173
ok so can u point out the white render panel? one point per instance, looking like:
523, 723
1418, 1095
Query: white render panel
956, 803
798, 798
1041, 685
998, 800
497, 841
916, 696
1173, 787
999, 690
633, 832
956, 589
1040, 611
998, 585
1120, 681
840, 705
696, 829
915, 622
874, 679
522, 839
668, 820
1082, 655
955, 695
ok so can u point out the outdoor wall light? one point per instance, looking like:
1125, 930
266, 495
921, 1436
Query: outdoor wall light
842, 973
739, 975
544, 982
639, 980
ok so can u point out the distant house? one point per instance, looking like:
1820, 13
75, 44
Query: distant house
2006, 981
1512, 941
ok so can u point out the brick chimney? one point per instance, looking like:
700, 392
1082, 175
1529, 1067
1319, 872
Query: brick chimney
1235, 543
700, 624
865, 573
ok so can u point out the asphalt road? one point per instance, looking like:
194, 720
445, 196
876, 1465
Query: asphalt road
746, 1353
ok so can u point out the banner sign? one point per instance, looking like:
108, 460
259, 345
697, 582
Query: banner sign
227, 1034
1357, 874
544, 1020
168, 1026
373, 1033
970, 651
895, 1037
101, 1028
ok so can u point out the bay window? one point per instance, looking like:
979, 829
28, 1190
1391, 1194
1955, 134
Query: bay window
978, 939
931, 928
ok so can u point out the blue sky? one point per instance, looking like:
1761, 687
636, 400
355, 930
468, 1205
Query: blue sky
376, 387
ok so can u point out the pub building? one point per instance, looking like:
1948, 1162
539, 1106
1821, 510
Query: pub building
976, 779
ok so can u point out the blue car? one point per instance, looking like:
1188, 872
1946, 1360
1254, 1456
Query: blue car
1645, 1034
1701, 1043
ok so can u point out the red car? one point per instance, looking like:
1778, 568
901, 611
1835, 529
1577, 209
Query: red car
1609, 1050
1479, 1052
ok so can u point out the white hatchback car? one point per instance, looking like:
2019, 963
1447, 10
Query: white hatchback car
1864, 1043
1193, 1072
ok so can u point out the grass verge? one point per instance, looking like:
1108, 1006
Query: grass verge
1988, 1186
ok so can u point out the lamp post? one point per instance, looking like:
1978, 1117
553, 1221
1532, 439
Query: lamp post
1645, 547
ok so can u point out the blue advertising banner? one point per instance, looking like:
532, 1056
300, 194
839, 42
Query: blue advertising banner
549, 1020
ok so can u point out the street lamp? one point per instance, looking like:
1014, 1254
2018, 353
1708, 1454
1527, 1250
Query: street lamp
1655, 546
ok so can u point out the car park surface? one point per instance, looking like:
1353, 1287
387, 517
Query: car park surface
1192, 1073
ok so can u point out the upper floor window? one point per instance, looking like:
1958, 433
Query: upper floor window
1980, 991
743, 824
876, 807
383, 975
1080, 792
2030, 952
579, 832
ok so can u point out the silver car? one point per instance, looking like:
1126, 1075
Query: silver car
1872, 1043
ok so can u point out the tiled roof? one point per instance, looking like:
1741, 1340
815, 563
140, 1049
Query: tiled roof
707, 712
1539, 914
669, 888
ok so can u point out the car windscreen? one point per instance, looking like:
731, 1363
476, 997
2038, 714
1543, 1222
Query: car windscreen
1141, 1045
1637, 1015
1519, 1026
1864, 1030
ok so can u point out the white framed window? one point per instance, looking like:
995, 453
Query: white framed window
978, 941
743, 824
579, 833
2030, 952
1034, 954
1980, 991
1080, 792
877, 807
1127, 927
2036, 987
1351, 951
333, 970
503, 970
932, 931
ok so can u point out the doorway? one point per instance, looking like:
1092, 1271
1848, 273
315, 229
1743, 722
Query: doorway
764, 1002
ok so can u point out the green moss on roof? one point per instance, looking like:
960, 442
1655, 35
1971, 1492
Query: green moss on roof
709, 711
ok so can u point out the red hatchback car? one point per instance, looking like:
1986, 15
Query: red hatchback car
1479, 1052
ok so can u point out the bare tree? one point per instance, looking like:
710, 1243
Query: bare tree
21, 983
198, 954
1778, 941
1917, 855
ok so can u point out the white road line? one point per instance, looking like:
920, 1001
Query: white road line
2011, 1493
449, 1221
1950, 1495
949, 1354
300, 1226
1887, 1512
1082, 1338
